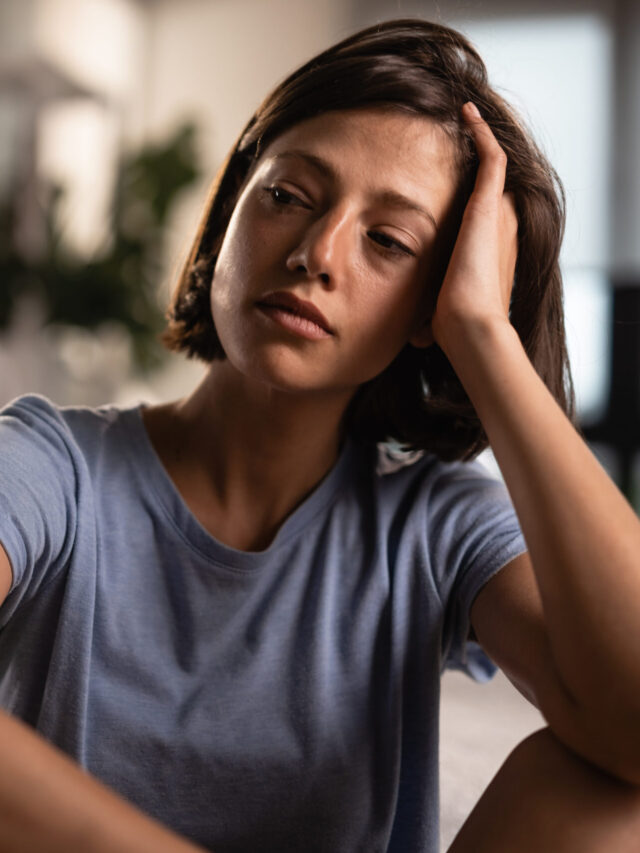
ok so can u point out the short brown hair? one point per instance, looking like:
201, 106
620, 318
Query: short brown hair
430, 70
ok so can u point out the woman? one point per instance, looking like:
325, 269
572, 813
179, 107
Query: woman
233, 609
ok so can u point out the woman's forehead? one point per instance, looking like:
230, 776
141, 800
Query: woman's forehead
374, 146
381, 129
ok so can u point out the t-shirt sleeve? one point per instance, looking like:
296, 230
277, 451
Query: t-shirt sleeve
37, 496
474, 533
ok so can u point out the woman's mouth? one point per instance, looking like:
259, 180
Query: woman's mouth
296, 315
294, 322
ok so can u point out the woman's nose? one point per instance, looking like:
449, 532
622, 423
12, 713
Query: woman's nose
321, 249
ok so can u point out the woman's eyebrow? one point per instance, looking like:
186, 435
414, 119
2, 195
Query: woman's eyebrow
317, 162
388, 197
392, 198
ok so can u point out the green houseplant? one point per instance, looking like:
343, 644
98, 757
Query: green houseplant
120, 283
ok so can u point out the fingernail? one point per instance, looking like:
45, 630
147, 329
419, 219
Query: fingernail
472, 109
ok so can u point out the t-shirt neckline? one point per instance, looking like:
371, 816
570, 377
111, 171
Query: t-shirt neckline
154, 475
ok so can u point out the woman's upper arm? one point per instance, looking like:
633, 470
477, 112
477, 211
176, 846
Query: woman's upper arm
38, 498
508, 621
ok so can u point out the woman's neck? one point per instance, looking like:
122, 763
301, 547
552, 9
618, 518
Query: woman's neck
245, 456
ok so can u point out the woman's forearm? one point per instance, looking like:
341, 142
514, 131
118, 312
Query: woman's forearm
48, 804
583, 537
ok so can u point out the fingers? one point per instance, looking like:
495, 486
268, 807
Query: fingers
492, 167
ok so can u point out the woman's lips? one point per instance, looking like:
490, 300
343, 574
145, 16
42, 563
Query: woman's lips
295, 314
291, 302
294, 322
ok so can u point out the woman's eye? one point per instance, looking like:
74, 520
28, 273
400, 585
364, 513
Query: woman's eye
389, 244
282, 197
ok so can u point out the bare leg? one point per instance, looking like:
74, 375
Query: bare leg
544, 799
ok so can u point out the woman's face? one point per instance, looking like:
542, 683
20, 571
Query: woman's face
322, 275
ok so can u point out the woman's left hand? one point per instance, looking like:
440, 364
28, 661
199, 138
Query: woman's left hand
479, 278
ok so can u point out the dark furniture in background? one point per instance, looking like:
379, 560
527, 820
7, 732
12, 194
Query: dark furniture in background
619, 427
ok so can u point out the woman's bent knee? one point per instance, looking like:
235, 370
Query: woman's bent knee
546, 798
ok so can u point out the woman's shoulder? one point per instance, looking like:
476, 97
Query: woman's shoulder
33, 418
420, 492
38, 406
394, 465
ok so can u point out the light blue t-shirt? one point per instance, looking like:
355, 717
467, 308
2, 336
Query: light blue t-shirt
257, 702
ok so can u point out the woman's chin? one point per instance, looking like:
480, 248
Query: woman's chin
288, 372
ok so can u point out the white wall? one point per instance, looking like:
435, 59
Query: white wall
101, 44
78, 72
97, 49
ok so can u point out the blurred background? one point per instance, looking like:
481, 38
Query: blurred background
114, 117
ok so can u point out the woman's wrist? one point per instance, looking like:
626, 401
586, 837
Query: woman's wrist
479, 337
